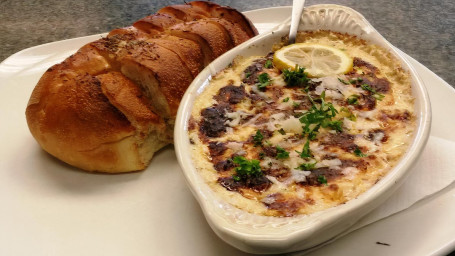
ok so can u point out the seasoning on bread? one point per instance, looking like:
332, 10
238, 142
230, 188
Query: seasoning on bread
110, 106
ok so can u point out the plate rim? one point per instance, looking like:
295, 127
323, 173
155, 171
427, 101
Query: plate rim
7, 75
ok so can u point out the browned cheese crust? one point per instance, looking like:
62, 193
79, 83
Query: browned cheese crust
309, 147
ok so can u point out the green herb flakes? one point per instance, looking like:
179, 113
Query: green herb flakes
356, 80
336, 125
322, 179
319, 115
348, 114
306, 152
342, 81
246, 168
281, 153
376, 95
359, 153
353, 99
257, 138
264, 81
307, 166
379, 96
297, 77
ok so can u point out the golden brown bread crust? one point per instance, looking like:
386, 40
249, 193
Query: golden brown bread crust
204, 45
64, 117
172, 76
235, 31
112, 104
130, 33
189, 51
128, 98
155, 24
227, 13
215, 35
184, 12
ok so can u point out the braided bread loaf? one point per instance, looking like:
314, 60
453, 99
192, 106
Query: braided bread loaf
112, 105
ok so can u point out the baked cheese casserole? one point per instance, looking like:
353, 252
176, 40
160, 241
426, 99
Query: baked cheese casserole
280, 143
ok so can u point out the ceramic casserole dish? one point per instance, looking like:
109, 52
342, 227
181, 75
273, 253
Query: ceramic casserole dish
266, 234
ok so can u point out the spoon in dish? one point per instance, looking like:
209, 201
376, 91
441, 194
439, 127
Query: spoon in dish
297, 9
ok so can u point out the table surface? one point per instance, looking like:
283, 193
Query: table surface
425, 30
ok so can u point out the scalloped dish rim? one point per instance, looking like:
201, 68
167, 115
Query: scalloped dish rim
303, 231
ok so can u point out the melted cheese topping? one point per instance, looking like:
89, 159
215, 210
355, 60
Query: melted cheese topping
375, 133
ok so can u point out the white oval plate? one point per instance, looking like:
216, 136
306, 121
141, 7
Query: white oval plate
260, 234
48, 208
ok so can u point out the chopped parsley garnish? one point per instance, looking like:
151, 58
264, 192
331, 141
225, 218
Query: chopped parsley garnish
349, 114
281, 131
317, 117
286, 99
247, 74
296, 77
257, 138
307, 166
312, 133
298, 114
343, 81
336, 125
295, 104
281, 153
264, 81
268, 64
322, 179
306, 153
359, 153
377, 95
354, 81
246, 168
353, 99
366, 87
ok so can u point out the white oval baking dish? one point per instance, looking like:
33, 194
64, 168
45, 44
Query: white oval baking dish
266, 235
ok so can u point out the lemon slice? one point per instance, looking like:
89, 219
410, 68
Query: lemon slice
318, 60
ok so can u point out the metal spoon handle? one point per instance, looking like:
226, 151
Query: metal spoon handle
297, 9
